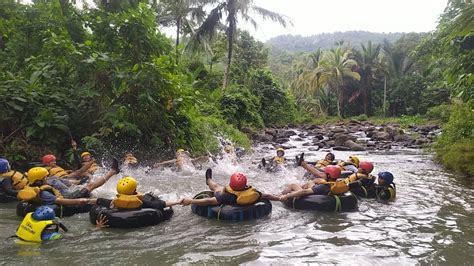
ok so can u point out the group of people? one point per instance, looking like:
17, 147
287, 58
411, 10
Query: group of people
50, 185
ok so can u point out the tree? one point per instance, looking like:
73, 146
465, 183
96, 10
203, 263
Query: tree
368, 64
334, 67
233, 9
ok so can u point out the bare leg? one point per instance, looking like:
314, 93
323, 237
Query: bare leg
315, 172
93, 185
213, 185
291, 188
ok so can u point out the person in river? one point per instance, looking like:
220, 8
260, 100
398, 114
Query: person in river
43, 192
49, 161
128, 198
328, 160
237, 192
326, 184
130, 160
40, 225
362, 175
351, 165
11, 181
182, 161
276, 162
385, 188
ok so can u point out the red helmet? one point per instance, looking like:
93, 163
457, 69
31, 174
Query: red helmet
238, 181
366, 166
48, 158
333, 171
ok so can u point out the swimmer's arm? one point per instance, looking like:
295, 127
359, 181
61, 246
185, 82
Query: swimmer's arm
200, 202
173, 202
81, 201
299, 193
202, 158
270, 197
164, 163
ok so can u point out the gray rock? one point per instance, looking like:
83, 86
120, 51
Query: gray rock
341, 148
263, 138
381, 136
313, 148
331, 143
353, 146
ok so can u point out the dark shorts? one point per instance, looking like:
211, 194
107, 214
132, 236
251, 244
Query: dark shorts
76, 194
225, 198
323, 189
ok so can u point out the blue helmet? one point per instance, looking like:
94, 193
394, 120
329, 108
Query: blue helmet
387, 177
44, 213
4, 166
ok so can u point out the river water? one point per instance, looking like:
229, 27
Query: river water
430, 222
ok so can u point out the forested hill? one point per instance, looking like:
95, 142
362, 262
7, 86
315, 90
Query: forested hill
298, 43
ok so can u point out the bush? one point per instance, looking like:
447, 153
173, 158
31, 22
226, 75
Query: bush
240, 108
454, 147
441, 112
362, 117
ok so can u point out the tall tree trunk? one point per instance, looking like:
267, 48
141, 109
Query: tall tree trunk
230, 46
384, 95
178, 28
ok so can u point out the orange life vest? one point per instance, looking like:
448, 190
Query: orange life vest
19, 180
244, 197
128, 201
33, 193
57, 171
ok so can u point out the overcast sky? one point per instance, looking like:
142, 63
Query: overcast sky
311, 17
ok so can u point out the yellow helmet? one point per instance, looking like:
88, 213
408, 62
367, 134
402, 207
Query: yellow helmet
179, 151
355, 160
37, 173
280, 149
127, 185
85, 153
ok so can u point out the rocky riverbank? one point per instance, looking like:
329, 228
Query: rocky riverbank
352, 135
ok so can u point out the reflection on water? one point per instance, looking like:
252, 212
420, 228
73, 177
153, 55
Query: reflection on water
430, 222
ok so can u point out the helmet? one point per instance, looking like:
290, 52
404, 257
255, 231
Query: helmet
333, 171
44, 213
48, 158
37, 173
386, 176
85, 153
355, 160
281, 149
179, 150
127, 185
228, 148
366, 166
238, 181
130, 159
4, 166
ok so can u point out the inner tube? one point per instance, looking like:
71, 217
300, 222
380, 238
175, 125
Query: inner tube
130, 218
326, 203
5, 198
359, 190
24, 207
236, 213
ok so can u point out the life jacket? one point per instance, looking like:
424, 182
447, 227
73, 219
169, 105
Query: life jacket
244, 197
337, 187
322, 163
57, 171
33, 193
358, 176
128, 201
387, 192
92, 168
182, 160
19, 180
31, 229
279, 160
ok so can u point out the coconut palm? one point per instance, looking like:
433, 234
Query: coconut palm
369, 62
233, 9
336, 65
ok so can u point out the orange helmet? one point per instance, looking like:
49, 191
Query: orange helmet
48, 158
366, 166
333, 171
238, 181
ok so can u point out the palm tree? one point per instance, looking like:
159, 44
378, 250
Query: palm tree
334, 67
369, 63
233, 9
184, 13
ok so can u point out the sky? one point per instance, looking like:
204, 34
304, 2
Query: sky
311, 17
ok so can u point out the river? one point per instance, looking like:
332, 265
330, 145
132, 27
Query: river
430, 222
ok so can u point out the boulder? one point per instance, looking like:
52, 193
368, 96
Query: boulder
313, 148
263, 138
353, 146
341, 138
330, 143
271, 131
282, 140
381, 136
341, 148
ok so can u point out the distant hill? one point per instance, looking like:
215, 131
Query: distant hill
298, 43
